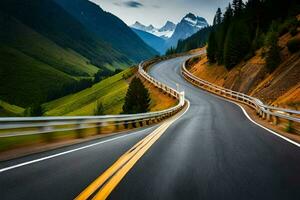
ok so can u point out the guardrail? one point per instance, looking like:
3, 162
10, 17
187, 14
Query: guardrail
24, 126
269, 113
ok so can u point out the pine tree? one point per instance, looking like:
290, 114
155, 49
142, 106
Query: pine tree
212, 47
137, 99
237, 6
237, 44
218, 17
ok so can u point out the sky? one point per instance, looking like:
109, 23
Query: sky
158, 12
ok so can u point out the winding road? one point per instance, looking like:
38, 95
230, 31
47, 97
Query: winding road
213, 151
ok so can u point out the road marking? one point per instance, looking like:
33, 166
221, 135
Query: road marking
68, 152
271, 131
249, 118
107, 181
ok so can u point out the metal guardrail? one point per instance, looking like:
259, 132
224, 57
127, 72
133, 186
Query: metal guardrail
269, 113
20, 126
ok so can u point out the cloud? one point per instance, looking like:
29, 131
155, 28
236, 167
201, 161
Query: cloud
133, 4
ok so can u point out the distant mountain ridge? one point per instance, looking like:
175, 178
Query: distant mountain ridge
109, 28
170, 32
188, 26
164, 32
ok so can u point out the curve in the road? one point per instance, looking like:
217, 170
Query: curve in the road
212, 152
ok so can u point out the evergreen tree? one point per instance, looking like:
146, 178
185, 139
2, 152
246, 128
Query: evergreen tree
237, 6
212, 47
137, 99
237, 44
218, 17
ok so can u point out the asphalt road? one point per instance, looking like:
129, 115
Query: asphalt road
212, 152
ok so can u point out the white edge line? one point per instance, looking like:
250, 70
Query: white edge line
246, 114
271, 131
68, 152
80, 148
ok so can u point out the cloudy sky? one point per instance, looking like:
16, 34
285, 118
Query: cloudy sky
157, 12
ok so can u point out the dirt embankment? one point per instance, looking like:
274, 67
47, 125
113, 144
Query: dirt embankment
280, 88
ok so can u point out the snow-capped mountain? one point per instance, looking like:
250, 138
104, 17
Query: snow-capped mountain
171, 33
188, 26
164, 32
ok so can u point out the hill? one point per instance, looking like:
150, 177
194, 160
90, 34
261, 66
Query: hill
153, 41
109, 28
280, 87
41, 56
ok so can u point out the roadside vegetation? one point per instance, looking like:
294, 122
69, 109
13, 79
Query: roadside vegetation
137, 98
244, 28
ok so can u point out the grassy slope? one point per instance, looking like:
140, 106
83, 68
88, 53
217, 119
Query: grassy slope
8, 110
39, 53
25, 79
111, 92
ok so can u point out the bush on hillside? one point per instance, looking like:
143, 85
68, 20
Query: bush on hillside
99, 109
273, 57
294, 45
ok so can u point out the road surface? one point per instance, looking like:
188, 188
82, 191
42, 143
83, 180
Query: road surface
212, 152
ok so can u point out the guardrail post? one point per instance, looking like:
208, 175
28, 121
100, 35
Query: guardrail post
79, 131
126, 124
99, 124
141, 123
275, 120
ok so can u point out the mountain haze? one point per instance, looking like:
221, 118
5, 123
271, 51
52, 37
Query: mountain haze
154, 41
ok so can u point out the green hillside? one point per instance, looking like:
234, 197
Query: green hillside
109, 28
110, 92
43, 58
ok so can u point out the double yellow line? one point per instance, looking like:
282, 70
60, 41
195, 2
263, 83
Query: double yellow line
105, 183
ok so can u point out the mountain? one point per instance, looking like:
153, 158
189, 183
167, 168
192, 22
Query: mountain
189, 25
109, 28
139, 26
153, 41
164, 32
44, 50
197, 40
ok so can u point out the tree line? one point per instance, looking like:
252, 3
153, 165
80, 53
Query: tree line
245, 27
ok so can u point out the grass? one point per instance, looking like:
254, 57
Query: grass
25, 80
111, 92
8, 110
34, 65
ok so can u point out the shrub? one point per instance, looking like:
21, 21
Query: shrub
294, 45
273, 57
289, 127
99, 109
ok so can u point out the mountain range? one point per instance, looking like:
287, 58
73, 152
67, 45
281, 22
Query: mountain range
171, 33
164, 32
47, 46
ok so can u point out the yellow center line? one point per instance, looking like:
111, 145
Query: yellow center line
105, 191
111, 170
107, 181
